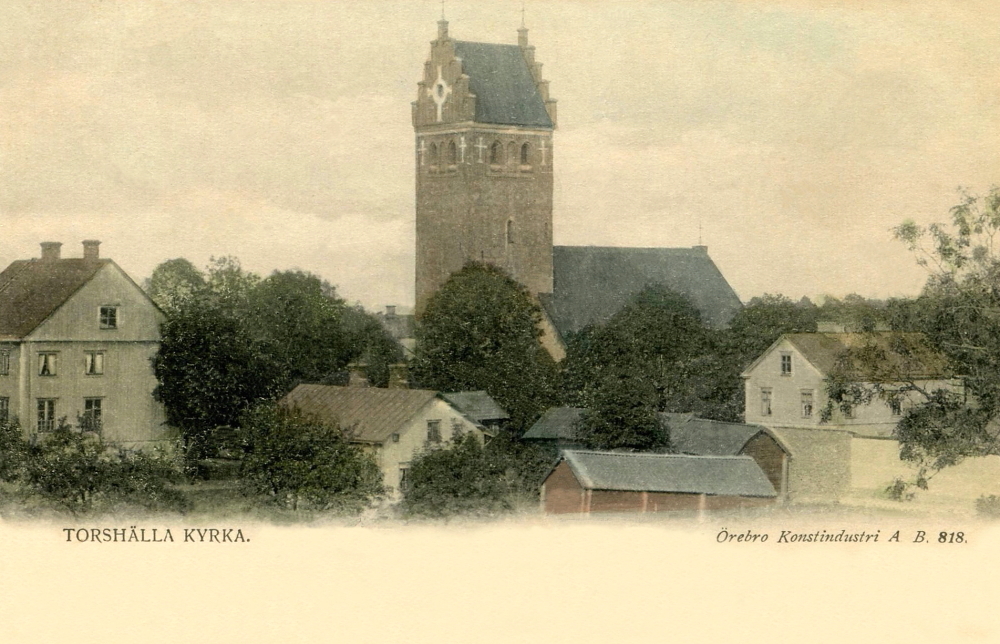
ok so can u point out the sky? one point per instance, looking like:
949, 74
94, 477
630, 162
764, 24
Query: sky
789, 137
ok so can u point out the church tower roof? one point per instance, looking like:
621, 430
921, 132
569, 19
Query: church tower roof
505, 89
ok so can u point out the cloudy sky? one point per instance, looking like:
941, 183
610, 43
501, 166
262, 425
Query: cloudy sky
794, 134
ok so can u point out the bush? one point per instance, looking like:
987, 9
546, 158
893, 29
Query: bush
300, 462
13, 451
988, 507
78, 472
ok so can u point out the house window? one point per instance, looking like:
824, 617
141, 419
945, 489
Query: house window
46, 414
109, 317
896, 406
94, 363
434, 431
92, 414
765, 401
807, 404
395, 438
4, 363
4, 409
47, 364
786, 364
404, 480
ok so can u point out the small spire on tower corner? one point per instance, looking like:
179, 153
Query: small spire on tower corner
442, 25
522, 33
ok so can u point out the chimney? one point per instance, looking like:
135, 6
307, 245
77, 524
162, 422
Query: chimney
390, 310
50, 251
357, 376
398, 376
91, 249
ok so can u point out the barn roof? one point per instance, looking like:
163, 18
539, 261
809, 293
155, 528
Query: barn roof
906, 354
592, 283
32, 289
692, 435
557, 423
714, 475
505, 90
374, 414
477, 405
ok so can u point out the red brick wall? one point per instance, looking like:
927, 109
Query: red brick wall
561, 491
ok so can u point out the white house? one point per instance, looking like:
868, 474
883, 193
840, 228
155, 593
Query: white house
77, 337
851, 452
394, 424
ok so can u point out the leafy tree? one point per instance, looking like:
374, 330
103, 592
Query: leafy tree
455, 478
173, 283
13, 451
79, 472
623, 415
297, 461
481, 331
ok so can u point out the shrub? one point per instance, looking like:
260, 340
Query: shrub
79, 472
988, 507
13, 451
300, 462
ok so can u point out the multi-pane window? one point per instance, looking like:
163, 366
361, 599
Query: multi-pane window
46, 414
92, 414
807, 404
434, 431
93, 363
786, 364
896, 406
765, 401
109, 317
47, 364
4, 409
4, 362
403, 478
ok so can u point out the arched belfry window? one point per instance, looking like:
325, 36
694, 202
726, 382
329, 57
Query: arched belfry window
432, 154
452, 154
525, 154
496, 153
510, 231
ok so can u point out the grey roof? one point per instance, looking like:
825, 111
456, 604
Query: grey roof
592, 283
715, 475
477, 405
907, 353
32, 289
373, 414
688, 433
505, 90
557, 423
692, 435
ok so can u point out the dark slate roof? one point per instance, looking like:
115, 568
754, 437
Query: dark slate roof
373, 414
592, 283
477, 405
505, 90
557, 423
692, 435
906, 353
715, 475
32, 289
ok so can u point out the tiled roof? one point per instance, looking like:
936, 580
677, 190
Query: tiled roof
592, 283
906, 353
557, 423
32, 289
373, 414
477, 405
715, 475
505, 90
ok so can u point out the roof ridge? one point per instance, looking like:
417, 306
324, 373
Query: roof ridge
699, 456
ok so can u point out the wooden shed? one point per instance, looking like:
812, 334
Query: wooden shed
591, 481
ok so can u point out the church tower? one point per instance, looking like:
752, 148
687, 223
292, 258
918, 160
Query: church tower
483, 121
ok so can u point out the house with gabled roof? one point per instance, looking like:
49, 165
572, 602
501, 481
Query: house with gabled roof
392, 424
479, 406
77, 339
597, 481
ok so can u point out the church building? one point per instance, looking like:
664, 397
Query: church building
484, 124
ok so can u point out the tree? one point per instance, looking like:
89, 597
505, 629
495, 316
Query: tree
658, 339
623, 415
173, 283
13, 451
480, 331
300, 462
959, 312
